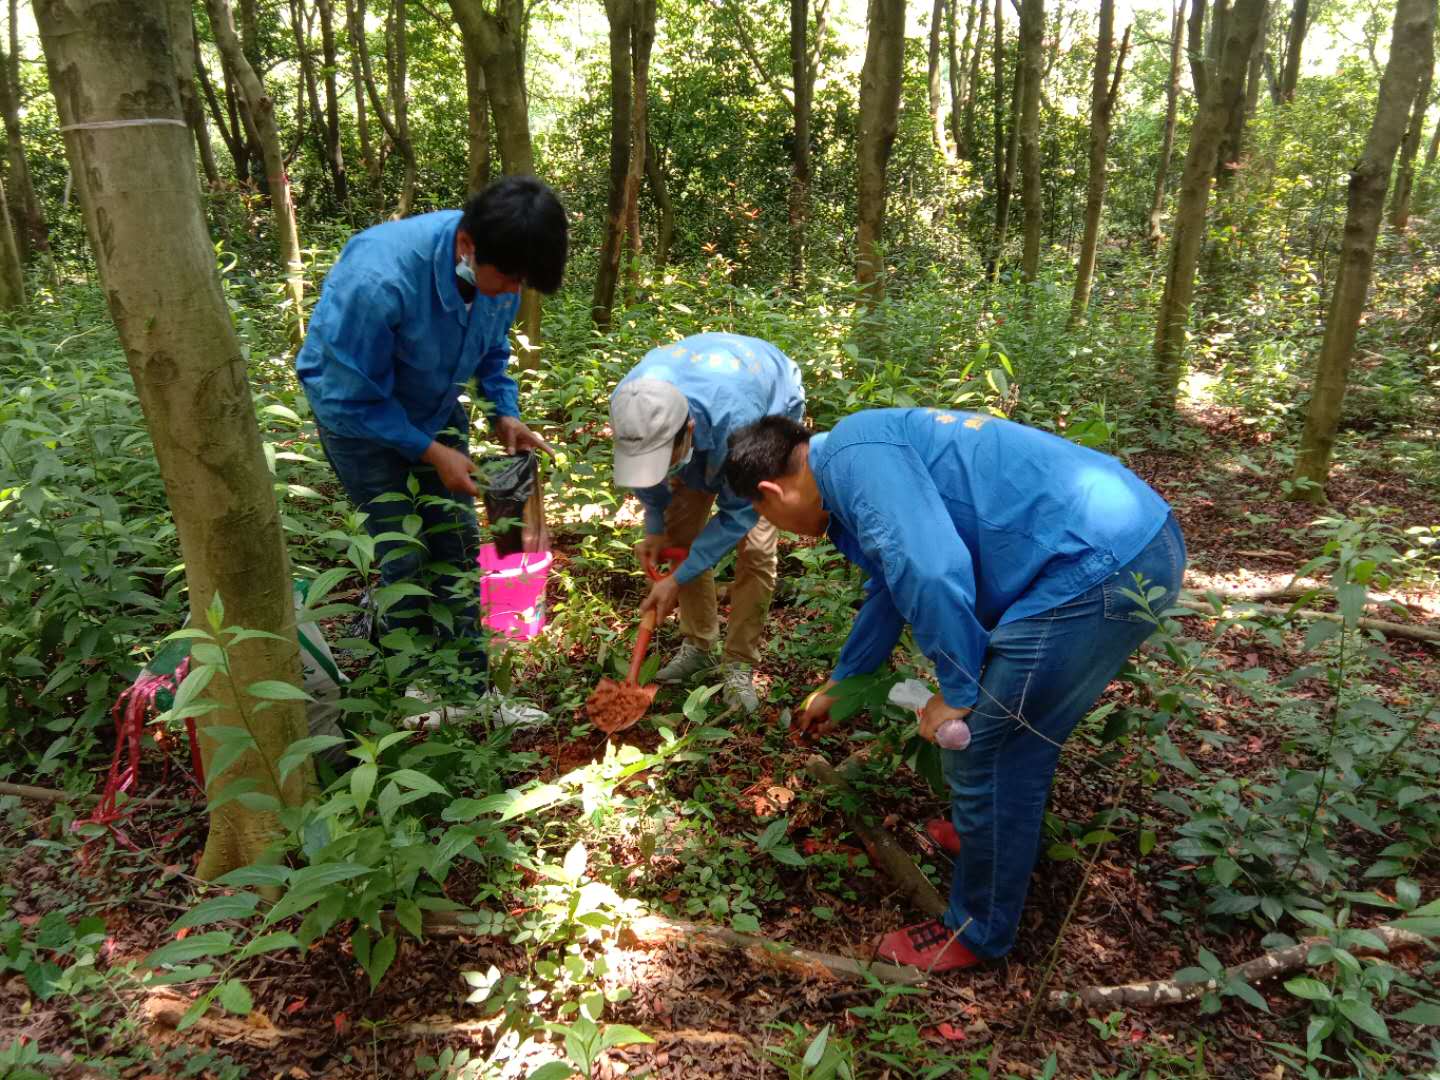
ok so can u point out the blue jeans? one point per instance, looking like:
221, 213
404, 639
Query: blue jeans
444, 561
1048, 670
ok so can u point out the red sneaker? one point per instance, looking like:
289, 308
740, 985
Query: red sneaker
943, 833
930, 946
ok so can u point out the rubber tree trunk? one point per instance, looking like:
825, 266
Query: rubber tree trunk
498, 38
660, 192
477, 107
140, 195
621, 14
28, 220
262, 115
399, 136
226, 120
1167, 140
1032, 42
1232, 141
934, 98
879, 121
1224, 87
1294, 40
12, 275
804, 65
1409, 149
1103, 95
368, 156
397, 81
642, 40
332, 134
1411, 56
182, 33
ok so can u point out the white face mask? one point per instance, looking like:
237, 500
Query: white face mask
465, 271
674, 470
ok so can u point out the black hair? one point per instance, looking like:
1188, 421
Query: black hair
762, 451
519, 227
680, 435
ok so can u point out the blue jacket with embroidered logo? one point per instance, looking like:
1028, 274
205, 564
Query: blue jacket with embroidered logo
391, 344
964, 522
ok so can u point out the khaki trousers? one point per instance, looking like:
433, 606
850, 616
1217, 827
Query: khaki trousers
755, 569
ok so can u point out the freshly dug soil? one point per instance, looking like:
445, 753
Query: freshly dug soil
615, 706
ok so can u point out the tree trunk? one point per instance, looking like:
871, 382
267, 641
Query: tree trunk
140, 196
1195, 50
1409, 148
972, 79
1427, 170
1032, 40
937, 115
1167, 143
642, 40
1227, 157
1103, 95
300, 26
997, 110
330, 56
225, 120
182, 34
477, 105
249, 29
498, 38
397, 82
1012, 146
1257, 68
1223, 89
392, 122
804, 67
1294, 39
1411, 55
12, 275
660, 192
368, 156
262, 115
879, 121
621, 14
29, 227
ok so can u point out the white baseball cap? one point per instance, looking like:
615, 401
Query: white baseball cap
645, 416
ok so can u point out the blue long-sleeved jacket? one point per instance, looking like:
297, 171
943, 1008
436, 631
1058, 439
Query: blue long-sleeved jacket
729, 381
965, 522
391, 343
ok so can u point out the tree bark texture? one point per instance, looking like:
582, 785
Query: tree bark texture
227, 122
1232, 141
1224, 87
12, 275
937, 112
390, 119
477, 107
330, 57
1032, 41
804, 68
1012, 147
621, 14
182, 34
369, 158
140, 195
1195, 50
642, 40
1103, 95
397, 82
972, 80
660, 192
879, 121
28, 219
1294, 39
1411, 55
1167, 141
262, 115
1409, 150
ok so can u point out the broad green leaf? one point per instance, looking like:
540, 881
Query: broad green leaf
234, 995
1364, 1017
1422, 1012
553, 1070
268, 943
362, 783
816, 1050
417, 781
623, 1035
217, 909
276, 690
382, 955
215, 943
300, 750
1309, 989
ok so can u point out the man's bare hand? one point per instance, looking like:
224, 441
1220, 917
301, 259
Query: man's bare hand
453, 467
814, 716
517, 438
935, 715
664, 595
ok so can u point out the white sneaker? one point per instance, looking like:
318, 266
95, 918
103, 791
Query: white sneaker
737, 688
685, 665
432, 719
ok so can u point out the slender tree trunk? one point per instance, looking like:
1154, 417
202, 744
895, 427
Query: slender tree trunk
1167, 142
498, 37
477, 105
1103, 95
225, 121
621, 14
804, 65
642, 40
1256, 74
1227, 85
1409, 148
30, 229
300, 27
937, 114
1411, 56
972, 79
12, 275
398, 84
956, 57
330, 57
1294, 39
182, 33
262, 115
660, 191
879, 121
1032, 41
369, 156
140, 195
392, 122
1196, 49
1427, 171
1227, 157
249, 30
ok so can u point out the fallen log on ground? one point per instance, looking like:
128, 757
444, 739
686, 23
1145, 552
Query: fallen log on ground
883, 849
1266, 966
1200, 606
767, 953
54, 795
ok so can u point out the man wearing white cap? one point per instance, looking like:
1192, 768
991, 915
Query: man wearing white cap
672, 416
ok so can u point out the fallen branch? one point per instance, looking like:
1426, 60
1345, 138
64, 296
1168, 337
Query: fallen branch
767, 953
883, 849
1266, 966
53, 795
1384, 626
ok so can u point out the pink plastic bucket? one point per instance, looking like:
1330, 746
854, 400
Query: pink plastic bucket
512, 591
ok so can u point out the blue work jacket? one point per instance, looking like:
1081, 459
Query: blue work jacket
729, 381
964, 522
391, 344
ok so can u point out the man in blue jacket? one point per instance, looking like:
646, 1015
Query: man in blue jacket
410, 315
1011, 554
671, 417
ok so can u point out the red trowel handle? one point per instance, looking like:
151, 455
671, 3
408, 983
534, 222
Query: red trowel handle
673, 555
642, 645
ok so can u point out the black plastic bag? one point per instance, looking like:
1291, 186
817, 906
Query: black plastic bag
514, 502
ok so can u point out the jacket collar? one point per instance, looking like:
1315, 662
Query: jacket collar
444, 264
